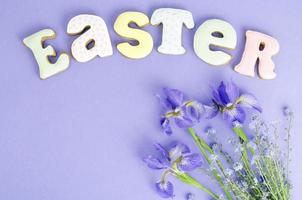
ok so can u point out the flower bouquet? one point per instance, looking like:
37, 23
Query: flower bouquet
257, 168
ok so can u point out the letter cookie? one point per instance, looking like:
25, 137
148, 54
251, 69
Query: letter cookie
144, 39
41, 54
97, 36
172, 21
204, 38
260, 47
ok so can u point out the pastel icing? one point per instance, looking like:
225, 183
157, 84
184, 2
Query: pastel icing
35, 43
172, 21
204, 38
260, 47
144, 39
97, 33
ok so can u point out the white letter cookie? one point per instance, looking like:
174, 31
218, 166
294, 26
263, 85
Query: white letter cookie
97, 35
47, 69
172, 21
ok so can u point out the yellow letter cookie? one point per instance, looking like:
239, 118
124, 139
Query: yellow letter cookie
144, 39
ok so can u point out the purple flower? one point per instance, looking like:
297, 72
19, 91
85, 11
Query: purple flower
165, 189
183, 112
231, 103
175, 160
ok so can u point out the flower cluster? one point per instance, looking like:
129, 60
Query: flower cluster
256, 169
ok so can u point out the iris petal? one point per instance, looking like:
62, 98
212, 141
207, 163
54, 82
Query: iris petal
211, 111
249, 101
235, 114
178, 150
162, 151
190, 162
195, 110
232, 91
165, 124
165, 189
174, 97
223, 95
216, 97
184, 122
185, 118
164, 102
240, 114
153, 162
228, 92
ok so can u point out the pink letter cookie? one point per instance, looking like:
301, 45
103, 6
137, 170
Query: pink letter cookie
262, 47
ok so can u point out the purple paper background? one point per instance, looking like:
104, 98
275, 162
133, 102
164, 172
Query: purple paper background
81, 134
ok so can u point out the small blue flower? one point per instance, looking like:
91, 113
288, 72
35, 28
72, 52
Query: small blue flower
184, 113
177, 159
238, 166
287, 112
190, 196
230, 102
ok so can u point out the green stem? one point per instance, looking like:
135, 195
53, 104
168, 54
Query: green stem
193, 182
204, 148
241, 134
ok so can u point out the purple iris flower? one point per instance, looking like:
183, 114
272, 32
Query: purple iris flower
177, 159
185, 113
231, 103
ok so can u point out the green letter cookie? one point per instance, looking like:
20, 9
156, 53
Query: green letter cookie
35, 43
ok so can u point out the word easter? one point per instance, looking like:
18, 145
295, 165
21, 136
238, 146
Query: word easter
94, 40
